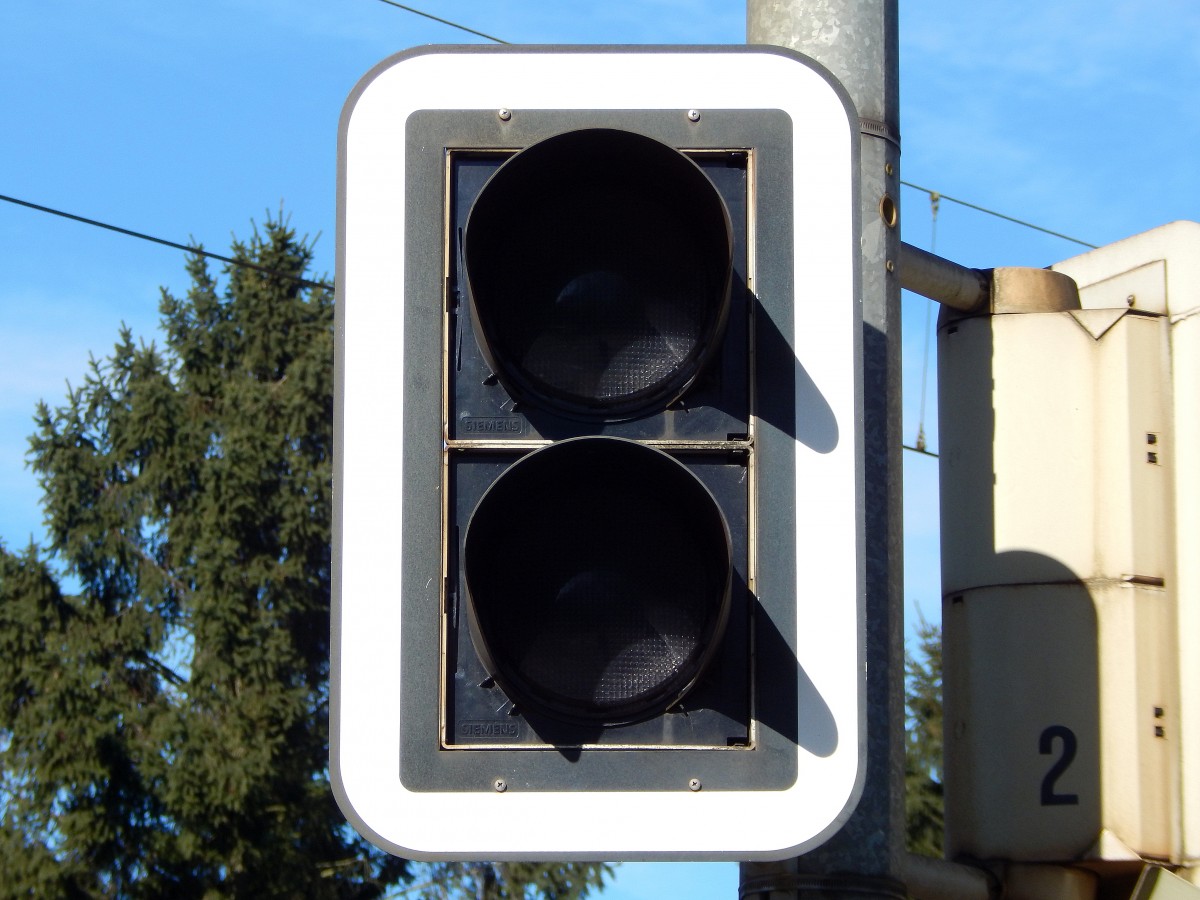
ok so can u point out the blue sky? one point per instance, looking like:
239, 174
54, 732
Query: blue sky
186, 121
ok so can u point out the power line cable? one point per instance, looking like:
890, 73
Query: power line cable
443, 21
921, 450
998, 215
934, 195
934, 203
188, 248
200, 251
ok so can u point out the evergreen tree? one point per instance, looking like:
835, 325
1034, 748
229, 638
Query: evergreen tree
505, 881
923, 742
164, 730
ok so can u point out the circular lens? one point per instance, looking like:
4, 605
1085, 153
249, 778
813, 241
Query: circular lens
598, 264
597, 574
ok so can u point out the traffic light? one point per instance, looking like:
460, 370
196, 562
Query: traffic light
598, 575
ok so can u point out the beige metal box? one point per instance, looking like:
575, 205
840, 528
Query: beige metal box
1071, 595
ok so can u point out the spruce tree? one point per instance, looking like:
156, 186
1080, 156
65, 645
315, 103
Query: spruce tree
164, 723
924, 799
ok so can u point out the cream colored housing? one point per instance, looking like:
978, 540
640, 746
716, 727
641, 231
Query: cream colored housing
1070, 466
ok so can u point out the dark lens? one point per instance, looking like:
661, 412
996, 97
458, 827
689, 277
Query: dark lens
601, 595
598, 263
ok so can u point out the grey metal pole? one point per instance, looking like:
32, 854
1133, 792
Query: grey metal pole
857, 41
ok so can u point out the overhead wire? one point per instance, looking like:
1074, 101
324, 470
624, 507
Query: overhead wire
934, 198
934, 204
443, 21
932, 194
188, 248
998, 215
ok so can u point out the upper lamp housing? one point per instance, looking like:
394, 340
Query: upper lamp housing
598, 263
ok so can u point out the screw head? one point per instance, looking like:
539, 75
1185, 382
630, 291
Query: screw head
693, 115
504, 114
500, 785
694, 784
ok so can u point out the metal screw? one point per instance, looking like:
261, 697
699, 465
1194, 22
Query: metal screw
891, 266
693, 115
504, 114
694, 784
500, 785
888, 169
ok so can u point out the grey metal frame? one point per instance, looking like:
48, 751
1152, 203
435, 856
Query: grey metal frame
770, 760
